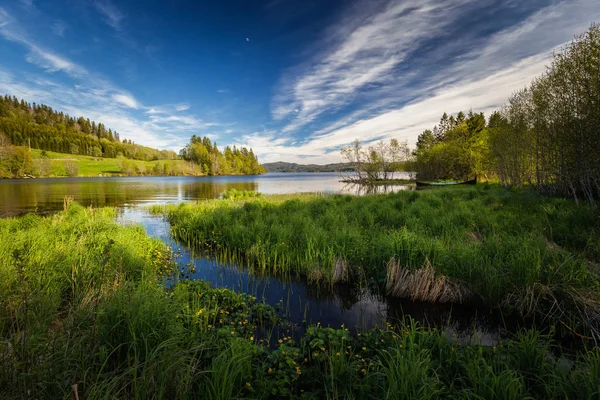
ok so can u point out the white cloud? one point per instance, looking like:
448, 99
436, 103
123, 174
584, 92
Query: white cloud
28, 4
59, 28
38, 55
126, 100
52, 62
182, 107
364, 56
86, 94
112, 14
480, 77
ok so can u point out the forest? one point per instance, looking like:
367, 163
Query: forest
40, 127
76, 147
547, 136
232, 161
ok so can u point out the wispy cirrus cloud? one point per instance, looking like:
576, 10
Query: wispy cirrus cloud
363, 56
80, 92
112, 15
126, 100
393, 75
59, 28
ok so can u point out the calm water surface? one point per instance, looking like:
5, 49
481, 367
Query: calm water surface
301, 302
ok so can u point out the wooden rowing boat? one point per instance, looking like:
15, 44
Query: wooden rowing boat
470, 182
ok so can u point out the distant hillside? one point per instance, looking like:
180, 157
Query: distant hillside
40, 127
281, 166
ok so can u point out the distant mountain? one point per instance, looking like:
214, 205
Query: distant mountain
281, 166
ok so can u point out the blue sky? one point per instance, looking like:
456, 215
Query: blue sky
295, 80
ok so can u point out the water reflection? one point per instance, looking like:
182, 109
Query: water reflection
18, 196
301, 302
304, 303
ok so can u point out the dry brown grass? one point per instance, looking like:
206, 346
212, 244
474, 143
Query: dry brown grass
340, 271
576, 310
423, 284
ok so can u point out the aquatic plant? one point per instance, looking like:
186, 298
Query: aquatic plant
514, 249
85, 314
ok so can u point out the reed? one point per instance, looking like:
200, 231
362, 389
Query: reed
85, 314
482, 243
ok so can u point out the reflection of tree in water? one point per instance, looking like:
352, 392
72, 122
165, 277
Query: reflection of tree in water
47, 195
213, 189
361, 190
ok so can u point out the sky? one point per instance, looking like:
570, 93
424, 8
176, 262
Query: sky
295, 80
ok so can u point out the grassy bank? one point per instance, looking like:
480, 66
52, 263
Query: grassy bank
514, 249
83, 313
57, 165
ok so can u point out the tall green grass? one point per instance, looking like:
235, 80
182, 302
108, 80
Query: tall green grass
84, 312
511, 248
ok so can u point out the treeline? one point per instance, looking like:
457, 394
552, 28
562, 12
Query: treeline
40, 127
281, 166
454, 149
233, 161
547, 136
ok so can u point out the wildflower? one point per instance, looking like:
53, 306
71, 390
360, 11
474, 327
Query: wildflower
270, 370
337, 354
298, 371
364, 349
248, 384
251, 338
233, 332
364, 371
280, 341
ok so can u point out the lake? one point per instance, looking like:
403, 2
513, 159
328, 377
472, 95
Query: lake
18, 196
300, 301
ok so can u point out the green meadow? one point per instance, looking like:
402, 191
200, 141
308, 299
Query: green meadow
85, 313
515, 250
88, 166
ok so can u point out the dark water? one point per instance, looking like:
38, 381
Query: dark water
301, 302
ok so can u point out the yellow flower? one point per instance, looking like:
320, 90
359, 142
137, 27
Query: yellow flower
364, 349
337, 354
248, 384
280, 341
251, 338
233, 332
270, 370
298, 371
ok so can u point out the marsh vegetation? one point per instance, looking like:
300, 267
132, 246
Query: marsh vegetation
85, 312
510, 249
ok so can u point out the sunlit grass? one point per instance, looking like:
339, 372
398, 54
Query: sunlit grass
84, 313
511, 248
